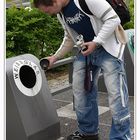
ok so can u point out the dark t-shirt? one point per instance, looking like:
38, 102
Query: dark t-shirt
78, 21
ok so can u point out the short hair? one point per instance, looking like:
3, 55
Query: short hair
37, 3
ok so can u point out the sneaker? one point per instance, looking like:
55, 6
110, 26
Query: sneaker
78, 136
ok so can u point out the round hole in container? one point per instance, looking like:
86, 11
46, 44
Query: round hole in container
27, 76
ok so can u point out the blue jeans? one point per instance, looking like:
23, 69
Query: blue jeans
86, 103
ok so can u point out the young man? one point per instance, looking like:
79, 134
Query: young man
105, 41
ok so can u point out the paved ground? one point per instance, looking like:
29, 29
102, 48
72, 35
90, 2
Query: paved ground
64, 106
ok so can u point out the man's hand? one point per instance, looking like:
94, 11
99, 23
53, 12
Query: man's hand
91, 46
52, 59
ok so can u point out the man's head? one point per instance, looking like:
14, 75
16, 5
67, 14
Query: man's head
50, 6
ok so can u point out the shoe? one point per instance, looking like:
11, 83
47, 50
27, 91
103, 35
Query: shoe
78, 136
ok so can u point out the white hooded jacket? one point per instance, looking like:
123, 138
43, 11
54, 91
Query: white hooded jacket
106, 25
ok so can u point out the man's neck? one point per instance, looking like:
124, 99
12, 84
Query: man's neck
65, 2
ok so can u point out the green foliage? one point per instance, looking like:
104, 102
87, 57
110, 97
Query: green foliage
130, 25
31, 31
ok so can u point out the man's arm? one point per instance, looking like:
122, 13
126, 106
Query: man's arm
65, 47
67, 43
102, 10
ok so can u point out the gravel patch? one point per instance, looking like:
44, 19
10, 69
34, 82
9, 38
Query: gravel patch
58, 82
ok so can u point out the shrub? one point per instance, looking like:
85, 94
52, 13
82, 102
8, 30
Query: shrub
31, 31
130, 25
